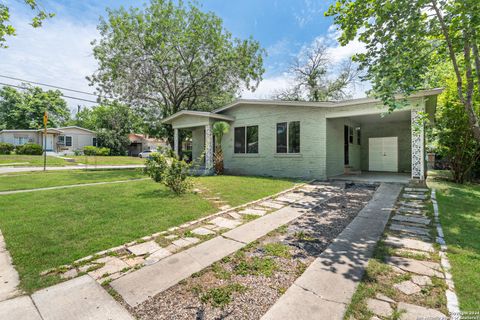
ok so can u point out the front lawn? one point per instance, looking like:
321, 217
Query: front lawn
47, 229
459, 207
37, 161
244, 189
31, 180
31, 161
107, 160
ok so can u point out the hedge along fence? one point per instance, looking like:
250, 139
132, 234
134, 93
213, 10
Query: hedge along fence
6, 148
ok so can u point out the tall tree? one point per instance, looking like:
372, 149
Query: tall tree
6, 29
170, 57
112, 121
24, 110
315, 78
404, 38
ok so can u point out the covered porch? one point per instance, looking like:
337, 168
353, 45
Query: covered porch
375, 146
200, 124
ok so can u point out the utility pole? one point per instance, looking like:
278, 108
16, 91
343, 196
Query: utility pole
45, 121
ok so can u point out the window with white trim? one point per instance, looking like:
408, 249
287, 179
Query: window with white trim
68, 141
288, 137
246, 139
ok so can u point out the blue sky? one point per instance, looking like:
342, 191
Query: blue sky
60, 52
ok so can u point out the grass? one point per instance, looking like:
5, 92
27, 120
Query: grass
459, 207
46, 229
221, 296
247, 188
37, 161
31, 180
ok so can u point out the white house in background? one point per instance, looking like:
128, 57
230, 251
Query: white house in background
65, 139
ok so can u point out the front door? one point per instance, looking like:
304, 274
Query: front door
49, 142
383, 154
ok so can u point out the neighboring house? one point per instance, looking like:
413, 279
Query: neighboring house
65, 139
140, 142
313, 139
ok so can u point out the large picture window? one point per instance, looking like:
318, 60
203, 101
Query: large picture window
288, 137
246, 139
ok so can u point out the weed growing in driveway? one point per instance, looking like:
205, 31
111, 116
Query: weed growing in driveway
221, 272
222, 296
303, 236
277, 250
249, 217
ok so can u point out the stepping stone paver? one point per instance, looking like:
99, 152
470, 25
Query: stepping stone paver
414, 196
157, 256
144, 248
422, 280
422, 254
409, 229
285, 199
225, 223
407, 287
426, 268
21, 308
72, 273
271, 204
413, 204
411, 219
379, 307
202, 231
79, 298
254, 212
185, 242
414, 312
132, 262
383, 297
409, 244
171, 237
234, 215
112, 265
412, 211
417, 189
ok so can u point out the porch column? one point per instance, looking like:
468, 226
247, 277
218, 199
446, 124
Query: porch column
208, 147
175, 141
418, 144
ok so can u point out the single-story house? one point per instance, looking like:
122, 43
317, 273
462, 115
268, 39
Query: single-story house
313, 139
141, 142
64, 139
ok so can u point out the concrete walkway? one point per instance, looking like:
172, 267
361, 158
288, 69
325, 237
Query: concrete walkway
140, 285
70, 186
78, 167
8, 275
326, 287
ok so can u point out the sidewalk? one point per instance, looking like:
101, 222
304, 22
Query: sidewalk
326, 287
78, 167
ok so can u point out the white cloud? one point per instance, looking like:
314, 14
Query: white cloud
59, 53
268, 87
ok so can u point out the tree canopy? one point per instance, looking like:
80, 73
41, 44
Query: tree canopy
7, 29
405, 38
113, 122
25, 109
317, 79
169, 57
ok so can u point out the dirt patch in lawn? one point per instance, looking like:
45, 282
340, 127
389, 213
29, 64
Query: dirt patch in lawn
246, 284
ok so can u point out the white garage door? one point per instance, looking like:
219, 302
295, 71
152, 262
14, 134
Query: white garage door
383, 154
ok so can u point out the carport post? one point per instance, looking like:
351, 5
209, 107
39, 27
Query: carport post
175, 141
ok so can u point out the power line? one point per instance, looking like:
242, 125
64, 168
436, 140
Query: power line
65, 96
48, 85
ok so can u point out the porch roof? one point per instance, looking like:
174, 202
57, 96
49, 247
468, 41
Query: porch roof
203, 114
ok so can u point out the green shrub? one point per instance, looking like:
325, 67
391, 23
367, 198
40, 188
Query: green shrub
6, 148
95, 151
172, 172
30, 149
